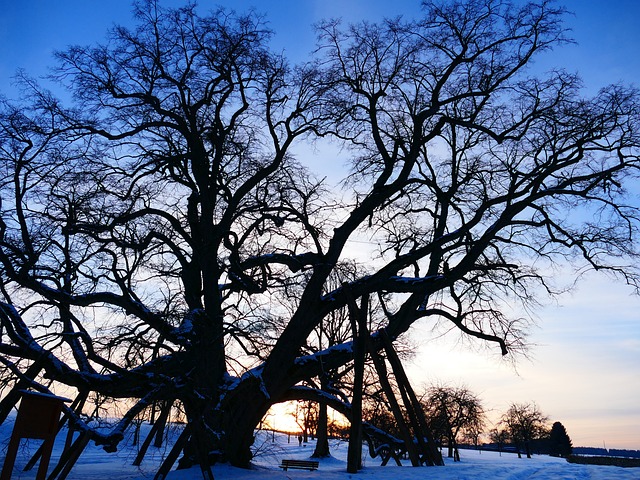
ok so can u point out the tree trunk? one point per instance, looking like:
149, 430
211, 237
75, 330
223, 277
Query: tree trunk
322, 434
242, 409
223, 434
201, 394
361, 333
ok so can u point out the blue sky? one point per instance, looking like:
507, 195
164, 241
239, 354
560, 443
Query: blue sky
585, 369
30, 30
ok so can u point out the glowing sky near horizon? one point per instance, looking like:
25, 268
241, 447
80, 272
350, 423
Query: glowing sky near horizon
585, 368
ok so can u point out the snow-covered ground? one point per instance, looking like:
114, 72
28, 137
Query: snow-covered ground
96, 464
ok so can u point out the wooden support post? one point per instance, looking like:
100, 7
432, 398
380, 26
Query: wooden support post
166, 466
162, 421
81, 399
416, 414
405, 432
416, 427
157, 426
152, 416
70, 456
388, 455
192, 431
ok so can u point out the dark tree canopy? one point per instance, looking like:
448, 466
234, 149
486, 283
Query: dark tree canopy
160, 241
559, 441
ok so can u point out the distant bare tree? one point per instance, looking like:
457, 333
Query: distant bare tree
525, 423
453, 412
305, 415
499, 436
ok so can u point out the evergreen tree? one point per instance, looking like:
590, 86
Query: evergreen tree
559, 441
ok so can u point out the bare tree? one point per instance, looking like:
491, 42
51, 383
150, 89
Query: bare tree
453, 412
148, 229
305, 415
525, 423
499, 436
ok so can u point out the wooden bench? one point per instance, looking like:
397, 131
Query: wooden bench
299, 464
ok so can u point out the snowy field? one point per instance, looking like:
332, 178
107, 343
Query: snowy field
96, 464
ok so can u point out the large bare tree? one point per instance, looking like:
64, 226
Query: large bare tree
150, 226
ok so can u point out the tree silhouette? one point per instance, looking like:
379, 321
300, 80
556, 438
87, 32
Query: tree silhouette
453, 411
559, 441
150, 225
525, 423
499, 436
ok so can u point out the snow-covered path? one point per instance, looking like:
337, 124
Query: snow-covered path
96, 464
